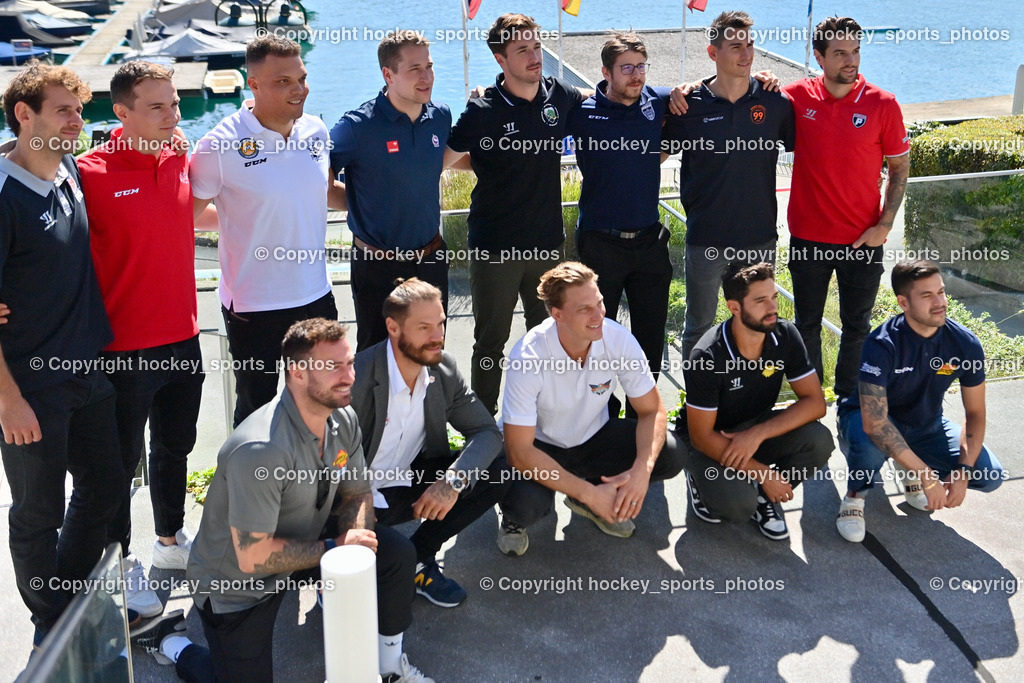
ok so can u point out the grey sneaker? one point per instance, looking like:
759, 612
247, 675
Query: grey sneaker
617, 529
512, 538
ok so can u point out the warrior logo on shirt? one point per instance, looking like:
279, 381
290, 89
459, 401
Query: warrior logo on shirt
648, 111
859, 120
549, 114
248, 148
758, 114
600, 388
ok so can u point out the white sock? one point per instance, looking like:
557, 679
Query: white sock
390, 649
172, 646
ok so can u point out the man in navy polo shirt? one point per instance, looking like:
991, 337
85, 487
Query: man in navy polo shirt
730, 138
392, 150
514, 136
737, 438
56, 405
907, 364
617, 134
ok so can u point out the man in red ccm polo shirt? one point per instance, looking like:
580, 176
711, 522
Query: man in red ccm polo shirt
139, 201
845, 129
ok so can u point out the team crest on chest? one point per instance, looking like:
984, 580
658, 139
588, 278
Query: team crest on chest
316, 149
758, 114
859, 120
248, 148
600, 388
648, 110
549, 114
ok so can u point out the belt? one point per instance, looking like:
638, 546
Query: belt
629, 234
396, 254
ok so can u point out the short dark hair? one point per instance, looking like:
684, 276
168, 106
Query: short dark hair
738, 278
301, 337
907, 272
727, 24
408, 292
835, 28
29, 86
389, 52
509, 27
620, 43
553, 283
264, 46
130, 74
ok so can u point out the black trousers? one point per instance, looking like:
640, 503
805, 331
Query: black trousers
48, 544
373, 279
611, 451
858, 272
471, 505
240, 645
166, 393
797, 454
255, 339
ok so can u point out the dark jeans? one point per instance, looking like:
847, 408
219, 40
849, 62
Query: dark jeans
76, 419
496, 285
471, 505
241, 644
255, 340
730, 495
373, 279
705, 267
937, 443
641, 268
611, 451
163, 385
858, 272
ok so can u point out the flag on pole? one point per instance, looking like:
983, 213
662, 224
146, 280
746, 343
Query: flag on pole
699, 5
571, 7
474, 7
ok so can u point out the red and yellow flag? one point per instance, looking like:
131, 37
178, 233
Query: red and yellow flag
571, 7
473, 8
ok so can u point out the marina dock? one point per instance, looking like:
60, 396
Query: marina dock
188, 77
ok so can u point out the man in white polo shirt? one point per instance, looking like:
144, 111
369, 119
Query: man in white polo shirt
267, 168
558, 433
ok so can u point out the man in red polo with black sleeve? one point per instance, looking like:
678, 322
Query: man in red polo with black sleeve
845, 128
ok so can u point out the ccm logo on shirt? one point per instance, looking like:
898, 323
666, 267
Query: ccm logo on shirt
125, 193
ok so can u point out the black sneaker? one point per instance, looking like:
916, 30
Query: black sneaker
697, 504
769, 519
152, 634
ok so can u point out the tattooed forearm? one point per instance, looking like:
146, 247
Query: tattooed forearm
875, 412
295, 555
355, 512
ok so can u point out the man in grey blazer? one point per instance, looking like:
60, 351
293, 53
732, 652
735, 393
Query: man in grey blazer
406, 391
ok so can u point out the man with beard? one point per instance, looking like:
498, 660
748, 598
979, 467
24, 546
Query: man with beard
845, 129
737, 438
406, 392
290, 485
907, 365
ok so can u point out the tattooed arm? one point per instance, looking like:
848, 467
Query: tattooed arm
874, 410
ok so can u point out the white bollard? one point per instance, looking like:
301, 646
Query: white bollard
1018, 93
350, 614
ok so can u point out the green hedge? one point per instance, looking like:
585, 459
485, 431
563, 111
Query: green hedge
969, 147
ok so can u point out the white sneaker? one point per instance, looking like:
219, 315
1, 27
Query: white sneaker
408, 674
912, 489
172, 556
850, 521
137, 593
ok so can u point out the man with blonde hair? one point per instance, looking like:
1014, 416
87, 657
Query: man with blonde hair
56, 405
558, 433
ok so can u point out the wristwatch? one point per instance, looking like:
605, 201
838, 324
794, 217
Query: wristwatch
457, 480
